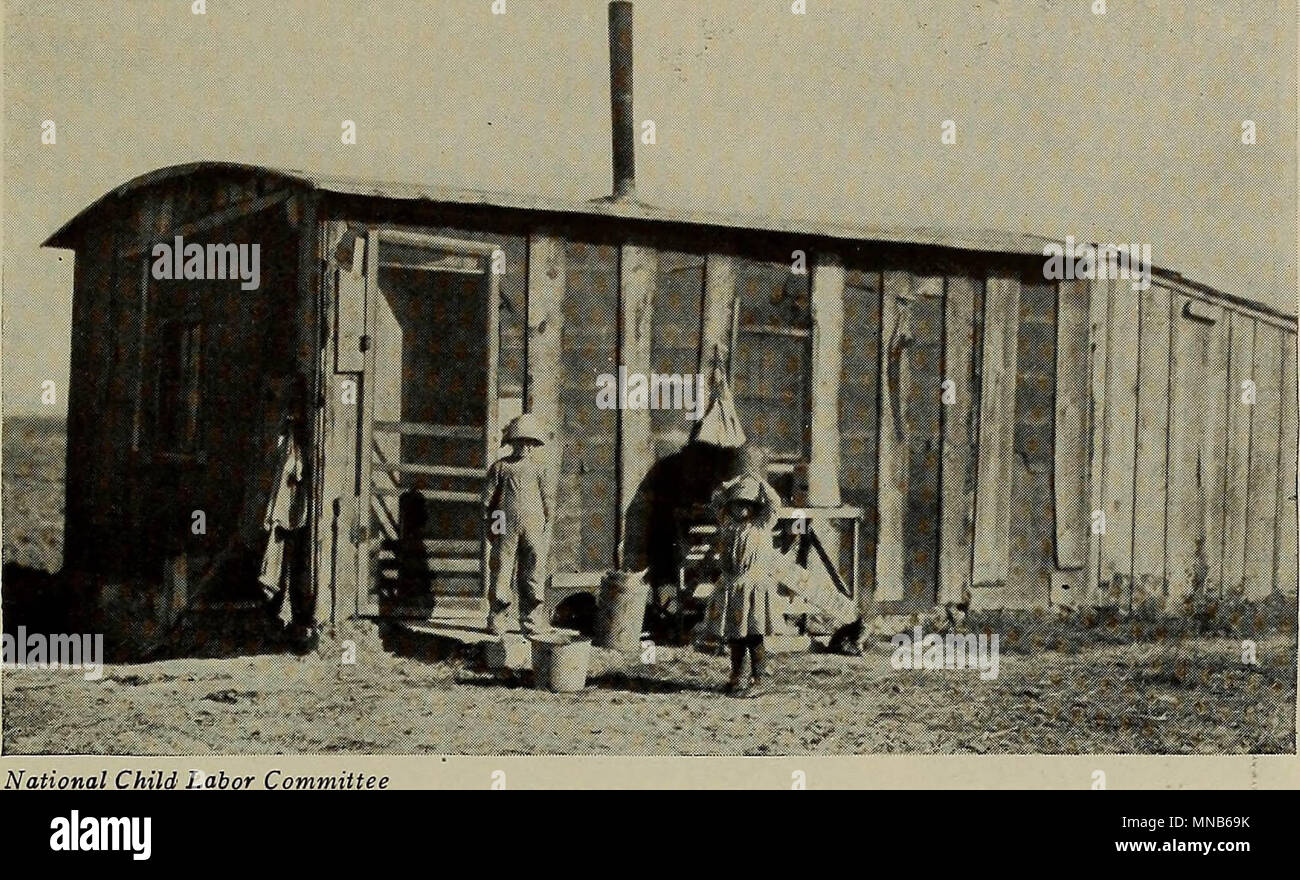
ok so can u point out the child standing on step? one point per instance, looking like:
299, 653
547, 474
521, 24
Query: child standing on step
516, 515
741, 610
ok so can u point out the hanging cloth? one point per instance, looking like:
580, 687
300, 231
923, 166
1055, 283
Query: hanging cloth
720, 424
284, 510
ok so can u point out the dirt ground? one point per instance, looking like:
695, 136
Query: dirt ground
1193, 696
1147, 694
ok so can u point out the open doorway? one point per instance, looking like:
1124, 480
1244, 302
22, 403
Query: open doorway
429, 423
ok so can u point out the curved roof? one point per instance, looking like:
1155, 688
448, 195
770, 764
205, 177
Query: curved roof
978, 240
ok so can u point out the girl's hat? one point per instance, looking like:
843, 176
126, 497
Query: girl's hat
745, 488
524, 428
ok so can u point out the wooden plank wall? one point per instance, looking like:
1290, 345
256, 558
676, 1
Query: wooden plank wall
1189, 473
771, 364
638, 270
675, 342
587, 503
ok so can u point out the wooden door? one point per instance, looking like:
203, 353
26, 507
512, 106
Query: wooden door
429, 423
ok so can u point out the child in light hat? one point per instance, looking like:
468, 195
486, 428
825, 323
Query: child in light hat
516, 515
742, 609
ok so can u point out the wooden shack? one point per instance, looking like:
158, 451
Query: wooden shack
1010, 441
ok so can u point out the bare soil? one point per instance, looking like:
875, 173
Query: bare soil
1190, 696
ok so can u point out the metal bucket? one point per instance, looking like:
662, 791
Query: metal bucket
560, 662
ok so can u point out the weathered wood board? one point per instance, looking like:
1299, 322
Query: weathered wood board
1287, 539
1241, 365
1120, 452
1071, 433
1031, 565
860, 423
1098, 364
1150, 492
996, 433
921, 522
637, 276
957, 496
1192, 399
896, 305
1261, 524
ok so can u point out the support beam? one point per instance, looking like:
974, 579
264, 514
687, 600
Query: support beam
545, 365
637, 274
827, 371
340, 424
992, 536
824, 407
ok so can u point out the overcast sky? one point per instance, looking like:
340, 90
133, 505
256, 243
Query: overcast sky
1124, 127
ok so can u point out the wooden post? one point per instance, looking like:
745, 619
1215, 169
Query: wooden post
339, 425
827, 299
827, 368
301, 212
637, 275
717, 312
957, 504
997, 431
544, 372
895, 319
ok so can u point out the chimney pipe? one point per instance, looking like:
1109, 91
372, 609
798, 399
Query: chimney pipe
620, 98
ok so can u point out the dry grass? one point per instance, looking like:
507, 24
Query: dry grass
32, 494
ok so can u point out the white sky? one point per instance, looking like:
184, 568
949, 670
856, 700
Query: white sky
1123, 127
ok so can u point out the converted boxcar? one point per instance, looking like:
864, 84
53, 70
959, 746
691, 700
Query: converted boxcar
1002, 440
